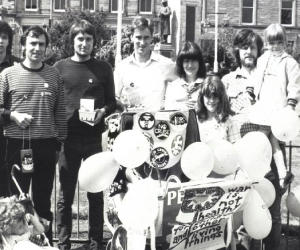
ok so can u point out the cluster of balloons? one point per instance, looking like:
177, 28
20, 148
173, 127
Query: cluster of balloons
252, 154
139, 207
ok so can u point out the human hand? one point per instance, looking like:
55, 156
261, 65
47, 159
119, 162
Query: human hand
23, 120
99, 115
28, 217
190, 104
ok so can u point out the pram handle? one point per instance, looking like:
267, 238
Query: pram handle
15, 166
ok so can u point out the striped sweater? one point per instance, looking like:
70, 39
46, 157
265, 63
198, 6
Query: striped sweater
38, 92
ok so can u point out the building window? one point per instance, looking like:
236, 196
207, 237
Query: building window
145, 6
31, 5
287, 16
248, 11
114, 6
59, 4
88, 5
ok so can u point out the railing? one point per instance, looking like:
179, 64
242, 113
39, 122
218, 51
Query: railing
77, 239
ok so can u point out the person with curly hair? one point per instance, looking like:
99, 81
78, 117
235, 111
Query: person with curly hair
15, 224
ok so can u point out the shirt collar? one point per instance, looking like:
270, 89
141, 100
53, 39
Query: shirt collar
153, 57
239, 73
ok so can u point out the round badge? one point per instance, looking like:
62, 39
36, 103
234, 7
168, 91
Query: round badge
162, 130
91, 81
178, 121
177, 145
159, 157
131, 84
150, 140
146, 121
46, 85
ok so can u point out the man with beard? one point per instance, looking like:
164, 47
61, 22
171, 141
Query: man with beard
247, 48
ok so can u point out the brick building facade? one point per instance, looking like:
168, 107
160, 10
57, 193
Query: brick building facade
257, 15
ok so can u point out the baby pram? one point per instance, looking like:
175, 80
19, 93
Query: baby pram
40, 240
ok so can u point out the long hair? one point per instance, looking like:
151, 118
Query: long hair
82, 27
7, 30
213, 86
244, 38
274, 32
190, 51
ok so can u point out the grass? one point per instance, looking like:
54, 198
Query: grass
291, 227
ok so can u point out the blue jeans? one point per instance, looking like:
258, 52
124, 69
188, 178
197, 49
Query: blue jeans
75, 150
42, 178
272, 241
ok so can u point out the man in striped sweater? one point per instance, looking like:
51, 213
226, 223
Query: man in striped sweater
84, 78
33, 108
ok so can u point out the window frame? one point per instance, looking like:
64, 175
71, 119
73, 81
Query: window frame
95, 3
116, 11
31, 9
293, 14
254, 13
59, 10
145, 12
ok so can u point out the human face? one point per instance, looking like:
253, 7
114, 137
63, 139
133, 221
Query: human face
141, 40
191, 68
35, 48
18, 228
211, 103
83, 46
3, 42
248, 55
276, 47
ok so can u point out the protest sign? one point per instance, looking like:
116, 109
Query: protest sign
197, 218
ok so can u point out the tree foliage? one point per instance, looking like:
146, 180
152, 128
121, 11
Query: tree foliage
59, 33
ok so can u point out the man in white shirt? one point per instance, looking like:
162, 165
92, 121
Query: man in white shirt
140, 79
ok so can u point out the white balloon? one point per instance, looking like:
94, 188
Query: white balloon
98, 172
257, 218
266, 190
286, 125
131, 148
197, 161
225, 156
139, 207
255, 154
293, 201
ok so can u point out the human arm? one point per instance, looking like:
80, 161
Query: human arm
293, 83
38, 228
109, 96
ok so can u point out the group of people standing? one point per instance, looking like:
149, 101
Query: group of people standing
39, 107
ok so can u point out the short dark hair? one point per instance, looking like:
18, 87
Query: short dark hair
6, 29
190, 51
82, 26
244, 38
36, 32
141, 23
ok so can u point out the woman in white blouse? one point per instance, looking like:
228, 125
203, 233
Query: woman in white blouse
182, 93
